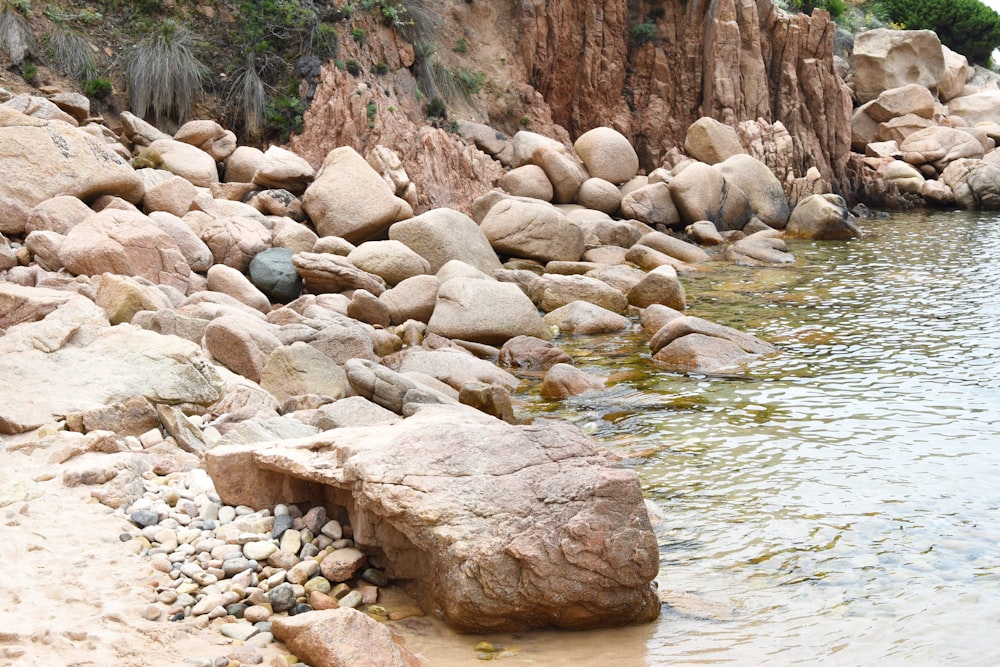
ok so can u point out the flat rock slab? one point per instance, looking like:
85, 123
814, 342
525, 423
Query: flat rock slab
492, 527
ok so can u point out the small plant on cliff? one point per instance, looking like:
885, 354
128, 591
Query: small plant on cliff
97, 88
471, 82
380, 69
284, 112
358, 35
246, 90
164, 77
352, 67
436, 108
461, 46
370, 111
644, 32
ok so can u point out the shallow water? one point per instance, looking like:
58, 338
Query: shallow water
837, 504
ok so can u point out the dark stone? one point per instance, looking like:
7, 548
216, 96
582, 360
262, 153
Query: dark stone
299, 608
144, 518
282, 522
236, 609
272, 272
282, 597
125, 537
375, 577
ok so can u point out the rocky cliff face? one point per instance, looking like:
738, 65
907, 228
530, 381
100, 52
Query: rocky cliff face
561, 67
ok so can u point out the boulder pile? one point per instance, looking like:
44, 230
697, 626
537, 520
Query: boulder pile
927, 123
169, 302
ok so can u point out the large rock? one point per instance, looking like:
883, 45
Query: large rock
71, 361
974, 183
209, 136
582, 317
59, 214
127, 243
412, 299
661, 286
323, 272
701, 192
40, 160
761, 187
242, 344
939, 146
885, 59
981, 107
532, 354
895, 102
693, 345
484, 311
443, 234
553, 291
272, 272
350, 199
186, 161
282, 169
299, 369
528, 181
607, 154
711, 141
198, 255
393, 261
454, 367
822, 217
761, 248
491, 527
539, 231
956, 75
651, 204
564, 172
342, 637
235, 241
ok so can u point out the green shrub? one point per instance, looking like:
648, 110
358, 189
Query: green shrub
461, 46
380, 68
163, 75
97, 88
644, 32
29, 71
371, 110
471, 82
71, 53
358, 35
966, 26
352, 67
436, 108
284, 113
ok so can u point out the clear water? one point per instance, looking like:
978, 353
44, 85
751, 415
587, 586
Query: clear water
838, 504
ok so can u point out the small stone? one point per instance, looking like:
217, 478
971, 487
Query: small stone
169, 596
282, 597
317, 584
314, 519
238, 631
340, 590
299, 608
375, 577
152, 612
144, 518
237, 609
235, 566
333, 530
291, 541
406, 611
256, 613
282, 522
342, 564
227, 513
319, 601
352, 600
259, 551
244, 655
303, 571
124, 537
369, 594
260, 640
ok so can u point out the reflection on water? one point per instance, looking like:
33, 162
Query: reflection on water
838, 504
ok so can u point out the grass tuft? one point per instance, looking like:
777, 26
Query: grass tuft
246, 90
17, 39
164, 76
72, 53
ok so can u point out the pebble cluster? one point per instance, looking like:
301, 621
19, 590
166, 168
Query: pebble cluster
243, 565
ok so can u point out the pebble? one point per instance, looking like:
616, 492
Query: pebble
144, 518
282, 597
259, 551
333, 530
226, 563
238, 631
351, 600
